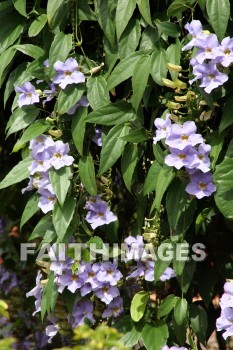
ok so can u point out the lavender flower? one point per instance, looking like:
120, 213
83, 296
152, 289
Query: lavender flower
179, 158
203, 161
224, 52
195, 30
28, 94
209, 75
58, 155
201, 185
163, 128
83, 309
99, 213
37, 292
41, 143
136, 248
225, 322
41, 163
67, 73
206, 48
46, 200
50, 93
52, 329
82, 103
8, 280
109, 272
115, 308
184, 135
107, 293
97, 137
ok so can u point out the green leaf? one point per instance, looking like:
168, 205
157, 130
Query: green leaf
123, 70
176, 201
37, 25
30, 50
136, 136
60, 49
21, 118
155, 336
139, 80
60, 180
112, 114
216, 143
224, 185
129, 39
128, 163
17, 174
106, 18
131, 338
158, 66
78, 128
227, 119
168, 28
30, 209
144, 8
11, 27
5, 59
177, 7
180, 310
53, 7
69, 97
158, 153
51, 293
167, 305
186, 276
199, 322
124, 12
165, 177
34, 130
62, 216
113, 147
202, 218
173, 56
152, 177
97, 93
87, 174
138, 305
218, 13
43, 226
85, 13
20, 6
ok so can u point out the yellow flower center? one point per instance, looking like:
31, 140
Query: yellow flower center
67, 73
208, 50
105, 289
211, 76
227, 52
100, 214
184, 137
57, 155
181, 156
201, 156
202, 186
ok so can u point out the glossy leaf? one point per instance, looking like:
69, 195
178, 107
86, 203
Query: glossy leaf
152, 177
60, 180
180, 310
97, 93
30, 209
139, 80
37, 25
158, 66
17, 174
167, 305
124, 12
78, 128
218, 13
155, 336
87, 174
165, 177
138, 305
129, 39
62, 216
69, 97
128, 163
144, 8
21, 118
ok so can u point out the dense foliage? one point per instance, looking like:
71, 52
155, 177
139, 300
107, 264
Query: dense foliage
118, 118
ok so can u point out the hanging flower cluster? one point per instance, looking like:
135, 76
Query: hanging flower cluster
182, 141
225, 321
46, 153
210, 58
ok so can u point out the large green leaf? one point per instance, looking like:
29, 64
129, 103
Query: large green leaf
139, 80
97, 93
218, 13
128, 163
20, 6
69, 97
223, 180
167, 305
44, 226
106, 19
37, 25
152, 177
30, 50
60, 49
30, 209
21, 118
136, 136
144, 8
158, 66
34, 130
168, 28
62, 216
5, 59
87, 174
10, 27
17, 174
180, 310
60, 180
138, 305
124, 69
155, 336
129, 39
112, 114
124, 12
78, 128
113, 147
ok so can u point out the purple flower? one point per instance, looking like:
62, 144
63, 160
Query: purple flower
28, 94
202, 161
195, 30
150, 271
201, 185
50, 94
179, 158
37, 292
97, 137
83, 309
99, 213
41, 143
138, 271
225, 322
82, 103
163, 128
46, 200
109, 272
206, 48
89, 276
52, 329
136, 248
228, 288
209, 75
67, 73
41, 162
115, 308
168, 274
46, 63
58, 155
224, 52
8, 280
107, 293
226, 301
184, 135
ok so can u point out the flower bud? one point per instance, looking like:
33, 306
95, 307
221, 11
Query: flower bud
173, 67
55, 133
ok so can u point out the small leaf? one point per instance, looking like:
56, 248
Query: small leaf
152, 177
124, 12
155, 336
17, 174
139, 80
78, 128
30, 209
62, 216
87, 174
128, 163
180, 310
158, 66
97, 93
37, 25
167, 305
138, 305
60, 180
69, 97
